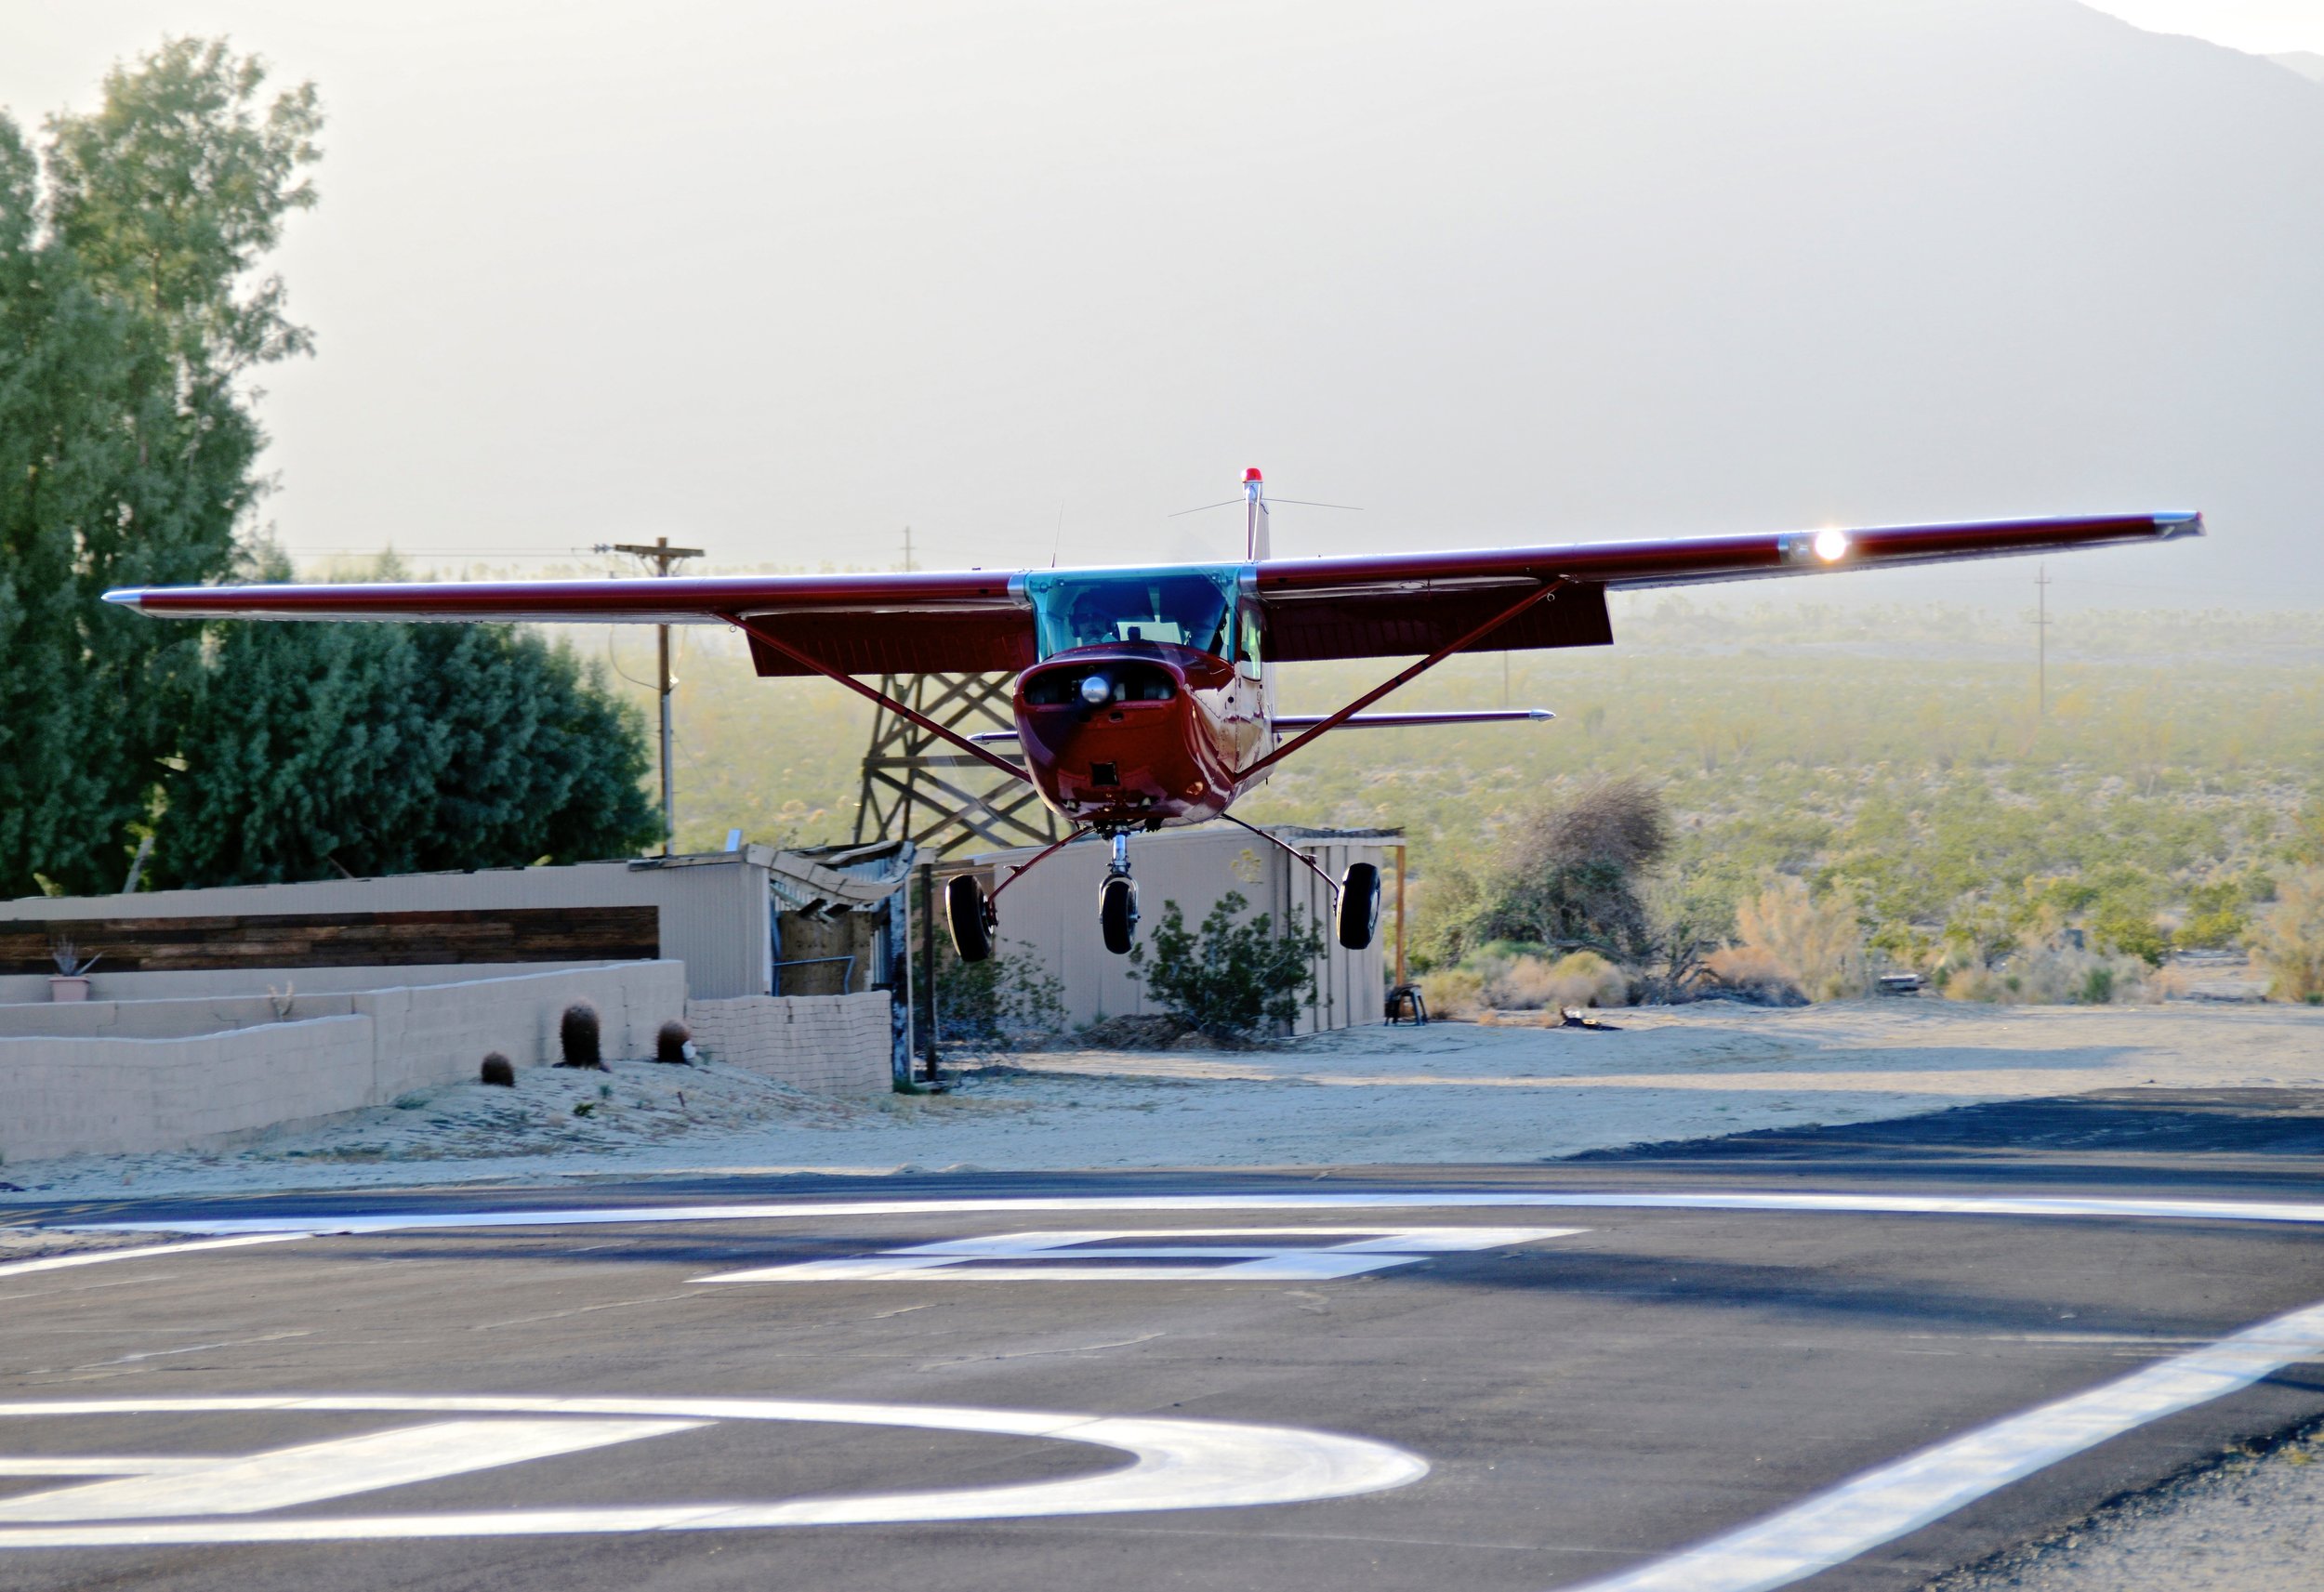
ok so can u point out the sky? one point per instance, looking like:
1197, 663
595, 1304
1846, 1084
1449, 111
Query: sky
2262, 27
1028, 276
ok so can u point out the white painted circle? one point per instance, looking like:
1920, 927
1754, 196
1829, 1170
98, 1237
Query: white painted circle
1175, 1464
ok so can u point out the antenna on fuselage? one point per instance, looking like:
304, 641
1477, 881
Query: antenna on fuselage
1256, 545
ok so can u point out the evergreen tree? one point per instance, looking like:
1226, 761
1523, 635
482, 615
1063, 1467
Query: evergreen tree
396, 748
129, 324
126, 442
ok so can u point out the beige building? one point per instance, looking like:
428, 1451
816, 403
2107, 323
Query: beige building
1052, 913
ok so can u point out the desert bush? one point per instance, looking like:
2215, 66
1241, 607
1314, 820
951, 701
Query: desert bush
1229, 979
1572, 877
2288, 939
669, 1044
1751, 972
577, 1038
1506, 977
1009, 998
1580, 978
1453, 992
2052, 971
497, 1068
1818, 945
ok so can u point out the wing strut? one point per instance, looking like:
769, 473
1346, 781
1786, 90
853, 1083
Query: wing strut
1539, 594
1302, 858
805, 661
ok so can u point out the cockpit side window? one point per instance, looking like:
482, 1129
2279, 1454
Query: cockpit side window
1247, 636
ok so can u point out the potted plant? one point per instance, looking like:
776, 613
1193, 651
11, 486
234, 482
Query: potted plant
70, 982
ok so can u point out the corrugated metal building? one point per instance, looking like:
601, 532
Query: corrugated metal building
1052, 913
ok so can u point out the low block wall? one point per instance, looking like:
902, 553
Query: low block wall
116, 1097
133, 1076
827, 1044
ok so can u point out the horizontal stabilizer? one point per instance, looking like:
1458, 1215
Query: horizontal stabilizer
1290, 722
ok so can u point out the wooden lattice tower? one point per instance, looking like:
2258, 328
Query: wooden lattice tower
918, 788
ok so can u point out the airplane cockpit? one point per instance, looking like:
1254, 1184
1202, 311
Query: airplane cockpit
1192, 607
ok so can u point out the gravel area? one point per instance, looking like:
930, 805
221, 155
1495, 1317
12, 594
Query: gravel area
2252, 1523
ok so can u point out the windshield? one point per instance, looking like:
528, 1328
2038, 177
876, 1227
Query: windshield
1085, 608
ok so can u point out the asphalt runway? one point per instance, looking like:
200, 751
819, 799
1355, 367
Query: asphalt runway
1848, 1357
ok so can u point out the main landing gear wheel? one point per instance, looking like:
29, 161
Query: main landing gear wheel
1359, 906
1117, 912
970, 914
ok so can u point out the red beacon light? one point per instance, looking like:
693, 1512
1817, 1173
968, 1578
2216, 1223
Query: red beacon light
1252, 474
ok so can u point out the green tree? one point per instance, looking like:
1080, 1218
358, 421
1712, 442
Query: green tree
397, 748
127, 443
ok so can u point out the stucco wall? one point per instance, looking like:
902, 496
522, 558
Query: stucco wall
69, 1096
130, 1076
828, 1044
1050, 915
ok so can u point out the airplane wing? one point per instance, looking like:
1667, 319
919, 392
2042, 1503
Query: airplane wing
947, 621
1399, 604
969, 621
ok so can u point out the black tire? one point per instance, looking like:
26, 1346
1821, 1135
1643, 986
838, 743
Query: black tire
971, 916
1359, 906
1118, 913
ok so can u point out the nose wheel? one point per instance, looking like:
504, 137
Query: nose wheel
1118, 900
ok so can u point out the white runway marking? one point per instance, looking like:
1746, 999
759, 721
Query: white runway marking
1175, 1464
794, 1210
96, 1256
1884, 1505
311, 1472
1052, 1257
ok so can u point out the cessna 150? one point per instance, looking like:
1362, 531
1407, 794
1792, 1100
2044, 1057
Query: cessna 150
1144, 695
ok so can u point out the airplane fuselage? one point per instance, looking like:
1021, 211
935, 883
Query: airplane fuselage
1141, 734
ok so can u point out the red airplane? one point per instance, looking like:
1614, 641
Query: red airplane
1144, 694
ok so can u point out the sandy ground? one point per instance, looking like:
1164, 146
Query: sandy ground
2250, 1525
1449, 1093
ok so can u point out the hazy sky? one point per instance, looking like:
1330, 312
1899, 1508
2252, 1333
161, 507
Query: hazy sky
1028, 275
2265, 27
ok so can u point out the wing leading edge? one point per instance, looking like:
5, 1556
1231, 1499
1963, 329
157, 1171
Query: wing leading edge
974, 620
1402, 603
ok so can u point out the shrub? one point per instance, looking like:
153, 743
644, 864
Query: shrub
2050, 971
1818, 945
669, 1044
1515, 979
1453, 992
577, 1037
1007, 999
1572, 877
1754, 973
498, 1070
2288, 939
1229, 979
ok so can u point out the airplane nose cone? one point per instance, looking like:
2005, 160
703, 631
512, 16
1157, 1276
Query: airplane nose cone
1096, 689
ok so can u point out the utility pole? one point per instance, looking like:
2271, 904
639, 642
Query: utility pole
664, 558
2041, 641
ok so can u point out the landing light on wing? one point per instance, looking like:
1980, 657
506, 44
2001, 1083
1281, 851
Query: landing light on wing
1831, 545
